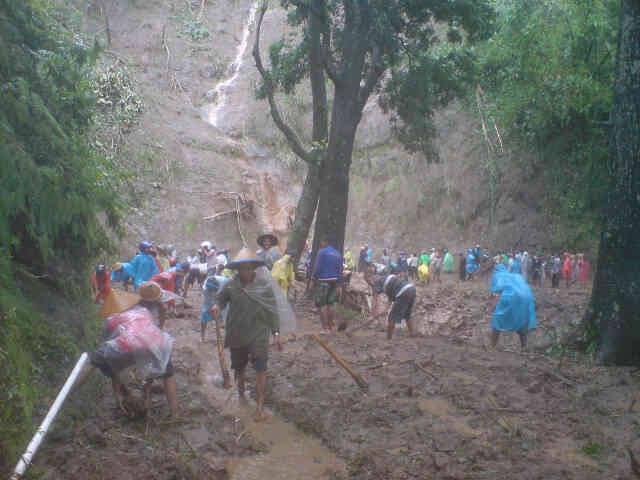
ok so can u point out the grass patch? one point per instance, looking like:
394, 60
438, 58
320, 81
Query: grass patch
593, 450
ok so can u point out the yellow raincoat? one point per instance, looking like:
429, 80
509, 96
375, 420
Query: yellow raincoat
283, 273
423, 272
349, 262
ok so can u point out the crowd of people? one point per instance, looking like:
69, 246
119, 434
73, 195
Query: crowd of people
249, 295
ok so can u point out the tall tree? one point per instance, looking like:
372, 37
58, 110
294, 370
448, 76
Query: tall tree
363, 42
615, 301
281, 76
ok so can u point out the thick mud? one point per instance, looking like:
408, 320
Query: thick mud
440, 406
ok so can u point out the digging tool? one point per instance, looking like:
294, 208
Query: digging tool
356, 376
226, 377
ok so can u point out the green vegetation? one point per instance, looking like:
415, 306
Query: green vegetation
191, 25
56, 203
593, 450
547, 80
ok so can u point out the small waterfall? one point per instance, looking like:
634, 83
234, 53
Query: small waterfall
212, 111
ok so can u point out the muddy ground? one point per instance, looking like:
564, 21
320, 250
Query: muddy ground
440, 406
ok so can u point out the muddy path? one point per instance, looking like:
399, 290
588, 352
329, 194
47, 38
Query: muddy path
214, 437
446, 406
441, 406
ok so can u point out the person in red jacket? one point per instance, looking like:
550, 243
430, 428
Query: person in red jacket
584, 269
567, 268
100, 283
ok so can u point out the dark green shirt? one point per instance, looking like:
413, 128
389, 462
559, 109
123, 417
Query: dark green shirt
252, 315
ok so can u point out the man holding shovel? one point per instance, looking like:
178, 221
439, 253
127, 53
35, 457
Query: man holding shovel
400, 293
251, 320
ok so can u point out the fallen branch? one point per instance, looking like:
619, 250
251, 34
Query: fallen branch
424, 370
165, 45
356, 376
557, 376
220, 215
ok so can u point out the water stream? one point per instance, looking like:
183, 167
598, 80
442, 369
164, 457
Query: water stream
211, 112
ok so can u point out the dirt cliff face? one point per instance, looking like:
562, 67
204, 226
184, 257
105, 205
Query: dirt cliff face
188, 169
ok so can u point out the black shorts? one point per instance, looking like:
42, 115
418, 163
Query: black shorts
403, 306
258, 354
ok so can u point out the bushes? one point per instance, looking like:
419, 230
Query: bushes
54, 191
548, 77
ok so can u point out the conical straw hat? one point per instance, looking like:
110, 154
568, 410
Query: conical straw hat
118, 301
271, 235
245, 257
150, 292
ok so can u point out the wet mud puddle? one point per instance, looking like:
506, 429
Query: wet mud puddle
288, 452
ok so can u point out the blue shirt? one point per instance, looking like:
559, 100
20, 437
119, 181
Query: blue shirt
141, 269
328, 265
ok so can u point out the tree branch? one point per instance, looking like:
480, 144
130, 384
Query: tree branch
289, 134
375, 71
328, 61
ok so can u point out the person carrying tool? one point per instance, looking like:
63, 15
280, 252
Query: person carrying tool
253, 317
400, 293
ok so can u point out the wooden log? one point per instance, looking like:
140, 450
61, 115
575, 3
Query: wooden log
226, 377
356, 376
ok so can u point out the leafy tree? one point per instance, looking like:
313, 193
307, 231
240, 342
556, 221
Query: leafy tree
547, 73
615, 301
398, 48
52, 183
53, 190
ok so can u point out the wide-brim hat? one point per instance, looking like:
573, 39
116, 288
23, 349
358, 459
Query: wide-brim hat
153, 292
150, 292
117, 302
245, 257
271, 236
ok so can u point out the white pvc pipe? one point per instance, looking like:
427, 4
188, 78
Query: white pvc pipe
35, 442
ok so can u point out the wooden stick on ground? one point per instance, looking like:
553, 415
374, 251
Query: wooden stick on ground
226, 377
356, 376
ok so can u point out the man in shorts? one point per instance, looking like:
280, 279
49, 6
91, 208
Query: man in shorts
402, 296
251, 320
327, 275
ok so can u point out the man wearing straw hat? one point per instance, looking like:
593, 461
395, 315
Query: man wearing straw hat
268, 252
251, 320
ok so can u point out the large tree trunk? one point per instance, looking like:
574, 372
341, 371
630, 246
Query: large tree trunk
305, 211
615, 302
334, 190
308, 201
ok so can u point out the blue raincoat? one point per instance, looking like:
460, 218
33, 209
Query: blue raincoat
119, 275
212, 285
516, 266
472, 264
141, 268
516, 309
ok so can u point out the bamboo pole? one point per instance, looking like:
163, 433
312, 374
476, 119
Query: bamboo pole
34, 444
356, 376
